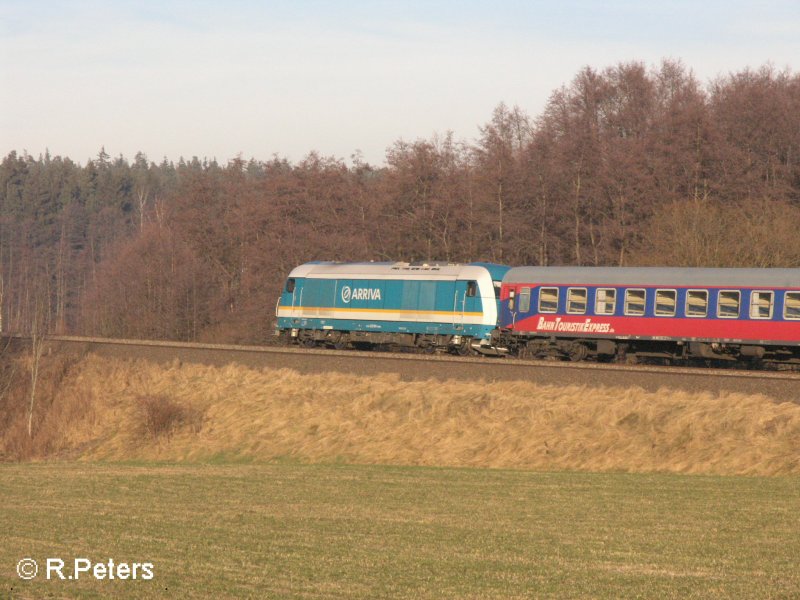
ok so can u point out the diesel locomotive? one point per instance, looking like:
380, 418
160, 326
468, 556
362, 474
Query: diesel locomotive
428, 306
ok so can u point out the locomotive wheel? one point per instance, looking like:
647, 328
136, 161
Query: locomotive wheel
341, 342
465, 349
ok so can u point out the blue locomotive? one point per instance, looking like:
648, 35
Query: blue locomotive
430, 306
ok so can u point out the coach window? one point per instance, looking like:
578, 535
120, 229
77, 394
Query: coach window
290, 285
665, 302
472, 288
525, 300
548, 300
761, 305
634, 302
576, 301
728, 305
696, 303
605, 301
791, 305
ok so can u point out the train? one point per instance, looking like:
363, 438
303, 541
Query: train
605, 314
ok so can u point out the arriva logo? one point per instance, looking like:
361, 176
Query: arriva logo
360, 294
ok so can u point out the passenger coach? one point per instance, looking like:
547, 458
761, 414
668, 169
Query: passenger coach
669, 313
425, 305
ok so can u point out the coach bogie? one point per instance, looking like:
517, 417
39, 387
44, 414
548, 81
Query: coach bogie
577, 351
553, 348
760, 355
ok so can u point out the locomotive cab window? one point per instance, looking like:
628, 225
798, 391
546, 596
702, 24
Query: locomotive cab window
666, 300
605, 301
696, 303
728, 305
791, 305
634, 302
525, 300
761, 305
290, 283
548, 300
472, 288
576, 301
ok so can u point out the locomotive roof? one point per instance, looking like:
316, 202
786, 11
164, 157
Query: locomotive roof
391, 269
650, 276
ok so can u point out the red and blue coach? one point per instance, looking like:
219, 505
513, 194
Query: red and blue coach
656, 313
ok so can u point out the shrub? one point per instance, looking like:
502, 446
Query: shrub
161, 415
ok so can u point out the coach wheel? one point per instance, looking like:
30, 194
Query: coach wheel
578, 352
309, 342
340, 345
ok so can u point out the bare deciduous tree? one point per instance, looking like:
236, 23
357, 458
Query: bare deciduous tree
38, 331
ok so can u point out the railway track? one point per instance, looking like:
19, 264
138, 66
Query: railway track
781, 386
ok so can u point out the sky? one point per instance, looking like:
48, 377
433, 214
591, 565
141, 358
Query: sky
257, 79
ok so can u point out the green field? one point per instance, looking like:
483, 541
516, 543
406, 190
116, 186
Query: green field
272, 530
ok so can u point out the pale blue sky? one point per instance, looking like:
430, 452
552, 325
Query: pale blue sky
217, 79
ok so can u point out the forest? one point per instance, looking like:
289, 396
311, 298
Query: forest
627, 165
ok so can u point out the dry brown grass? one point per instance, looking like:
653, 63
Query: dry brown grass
52, 408
236, 412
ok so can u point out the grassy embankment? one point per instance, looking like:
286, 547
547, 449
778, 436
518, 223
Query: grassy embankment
213, 524
376, 531
103, 409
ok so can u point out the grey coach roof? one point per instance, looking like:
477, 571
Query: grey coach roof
655, 276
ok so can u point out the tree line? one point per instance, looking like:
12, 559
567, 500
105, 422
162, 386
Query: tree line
628, 165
